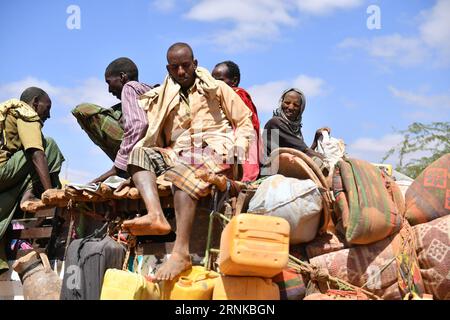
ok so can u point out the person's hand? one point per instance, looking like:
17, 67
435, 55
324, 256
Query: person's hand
111, 172
124, 184
96, 180
319, 131
318, 135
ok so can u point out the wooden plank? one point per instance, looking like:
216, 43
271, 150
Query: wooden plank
45, 213
33, 233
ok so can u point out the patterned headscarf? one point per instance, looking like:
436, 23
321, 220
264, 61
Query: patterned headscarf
295, 125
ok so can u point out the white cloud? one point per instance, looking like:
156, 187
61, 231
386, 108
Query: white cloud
424, 107
75, 144
63, 98
90, 90
254, 22
163, 5
431, 43
326, 6
266, 96
435, 29
14, 89
405, 51
441, 101
373, 149
311, 86
242, 11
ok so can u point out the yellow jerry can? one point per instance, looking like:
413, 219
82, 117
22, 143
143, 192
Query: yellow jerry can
254, 245
196, 283
126, 285
245, 288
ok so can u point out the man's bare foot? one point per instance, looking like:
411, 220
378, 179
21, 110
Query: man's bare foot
147, 226
54, 196
176, 264
33, 205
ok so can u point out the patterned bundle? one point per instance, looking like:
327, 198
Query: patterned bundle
368, 207
387, 268
433, 251
428, 197
291, 284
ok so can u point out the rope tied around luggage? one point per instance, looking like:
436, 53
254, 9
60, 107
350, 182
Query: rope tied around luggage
317, 274
405, 259
376, 275
131, 246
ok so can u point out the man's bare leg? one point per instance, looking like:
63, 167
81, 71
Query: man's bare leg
154, 222
180, 260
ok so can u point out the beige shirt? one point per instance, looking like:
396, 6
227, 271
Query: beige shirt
20, 135
198, 125
215, 117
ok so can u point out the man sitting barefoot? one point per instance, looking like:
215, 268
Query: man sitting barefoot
195, 122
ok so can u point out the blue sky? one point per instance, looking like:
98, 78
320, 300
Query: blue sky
363, 83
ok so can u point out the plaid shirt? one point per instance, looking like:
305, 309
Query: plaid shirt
134, 121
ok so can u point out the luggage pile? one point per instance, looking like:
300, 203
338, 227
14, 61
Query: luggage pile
352, 236
374, 241
253, 249
428, 211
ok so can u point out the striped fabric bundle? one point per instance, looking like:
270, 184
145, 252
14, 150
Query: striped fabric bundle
102, 126
428, 197
368, 208
291, 284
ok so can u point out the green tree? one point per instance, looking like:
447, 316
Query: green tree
430, 139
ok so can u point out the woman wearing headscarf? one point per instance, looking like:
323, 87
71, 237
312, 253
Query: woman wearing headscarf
287, 119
